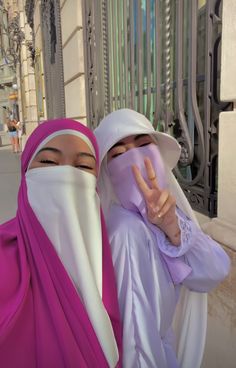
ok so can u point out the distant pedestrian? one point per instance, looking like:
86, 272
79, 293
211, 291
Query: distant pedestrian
19, 134
12, 131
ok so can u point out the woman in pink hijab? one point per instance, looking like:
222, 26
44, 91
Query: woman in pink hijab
58, 301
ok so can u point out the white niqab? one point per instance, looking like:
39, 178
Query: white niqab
65, 201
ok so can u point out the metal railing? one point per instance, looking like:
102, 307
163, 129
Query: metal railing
161, 58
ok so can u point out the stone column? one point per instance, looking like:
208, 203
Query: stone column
73, 59
221, 338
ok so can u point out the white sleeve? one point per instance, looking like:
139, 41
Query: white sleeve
209, 262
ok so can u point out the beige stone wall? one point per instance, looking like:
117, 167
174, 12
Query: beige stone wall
221, 336
27, 102
73, 59
221, 333
227, 166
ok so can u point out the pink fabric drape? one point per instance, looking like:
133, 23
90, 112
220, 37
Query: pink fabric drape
43, 322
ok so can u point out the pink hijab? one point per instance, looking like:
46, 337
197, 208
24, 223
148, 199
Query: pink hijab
43, 322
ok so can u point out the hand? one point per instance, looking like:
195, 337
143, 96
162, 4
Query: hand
160, 203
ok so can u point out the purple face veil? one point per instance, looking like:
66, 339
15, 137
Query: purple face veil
43, 321
123, 181
130, 197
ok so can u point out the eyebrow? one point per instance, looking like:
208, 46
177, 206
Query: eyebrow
120, 143
86, 154
52, 149
56, 150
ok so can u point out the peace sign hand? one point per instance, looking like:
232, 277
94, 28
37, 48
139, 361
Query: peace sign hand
160, 203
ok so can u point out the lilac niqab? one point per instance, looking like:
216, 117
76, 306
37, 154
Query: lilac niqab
130, 197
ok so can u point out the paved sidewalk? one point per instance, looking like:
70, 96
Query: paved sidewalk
9, 182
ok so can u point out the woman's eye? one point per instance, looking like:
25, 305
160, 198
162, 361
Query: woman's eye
144, 144
116, 154
49, 162
85, 167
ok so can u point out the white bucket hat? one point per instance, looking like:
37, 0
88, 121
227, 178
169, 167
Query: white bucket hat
125, 122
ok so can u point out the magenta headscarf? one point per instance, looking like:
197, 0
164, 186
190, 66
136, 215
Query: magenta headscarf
43, 322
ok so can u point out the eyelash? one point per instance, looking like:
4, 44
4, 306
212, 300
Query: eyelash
48, 162
141, 145
116, 154
85, 167
145, 144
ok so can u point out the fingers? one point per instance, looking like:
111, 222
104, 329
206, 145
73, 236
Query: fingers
165, 202
143, 186
158, 209
140, 181
151, 173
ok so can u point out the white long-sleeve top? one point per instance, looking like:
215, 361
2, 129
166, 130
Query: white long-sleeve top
147, 295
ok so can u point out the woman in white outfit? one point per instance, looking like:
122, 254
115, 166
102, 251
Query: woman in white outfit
164, 263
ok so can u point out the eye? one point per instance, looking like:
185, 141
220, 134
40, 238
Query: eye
116, 151
116, 154
144, 141
48, 162
85, 163
144, 144
85, 167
